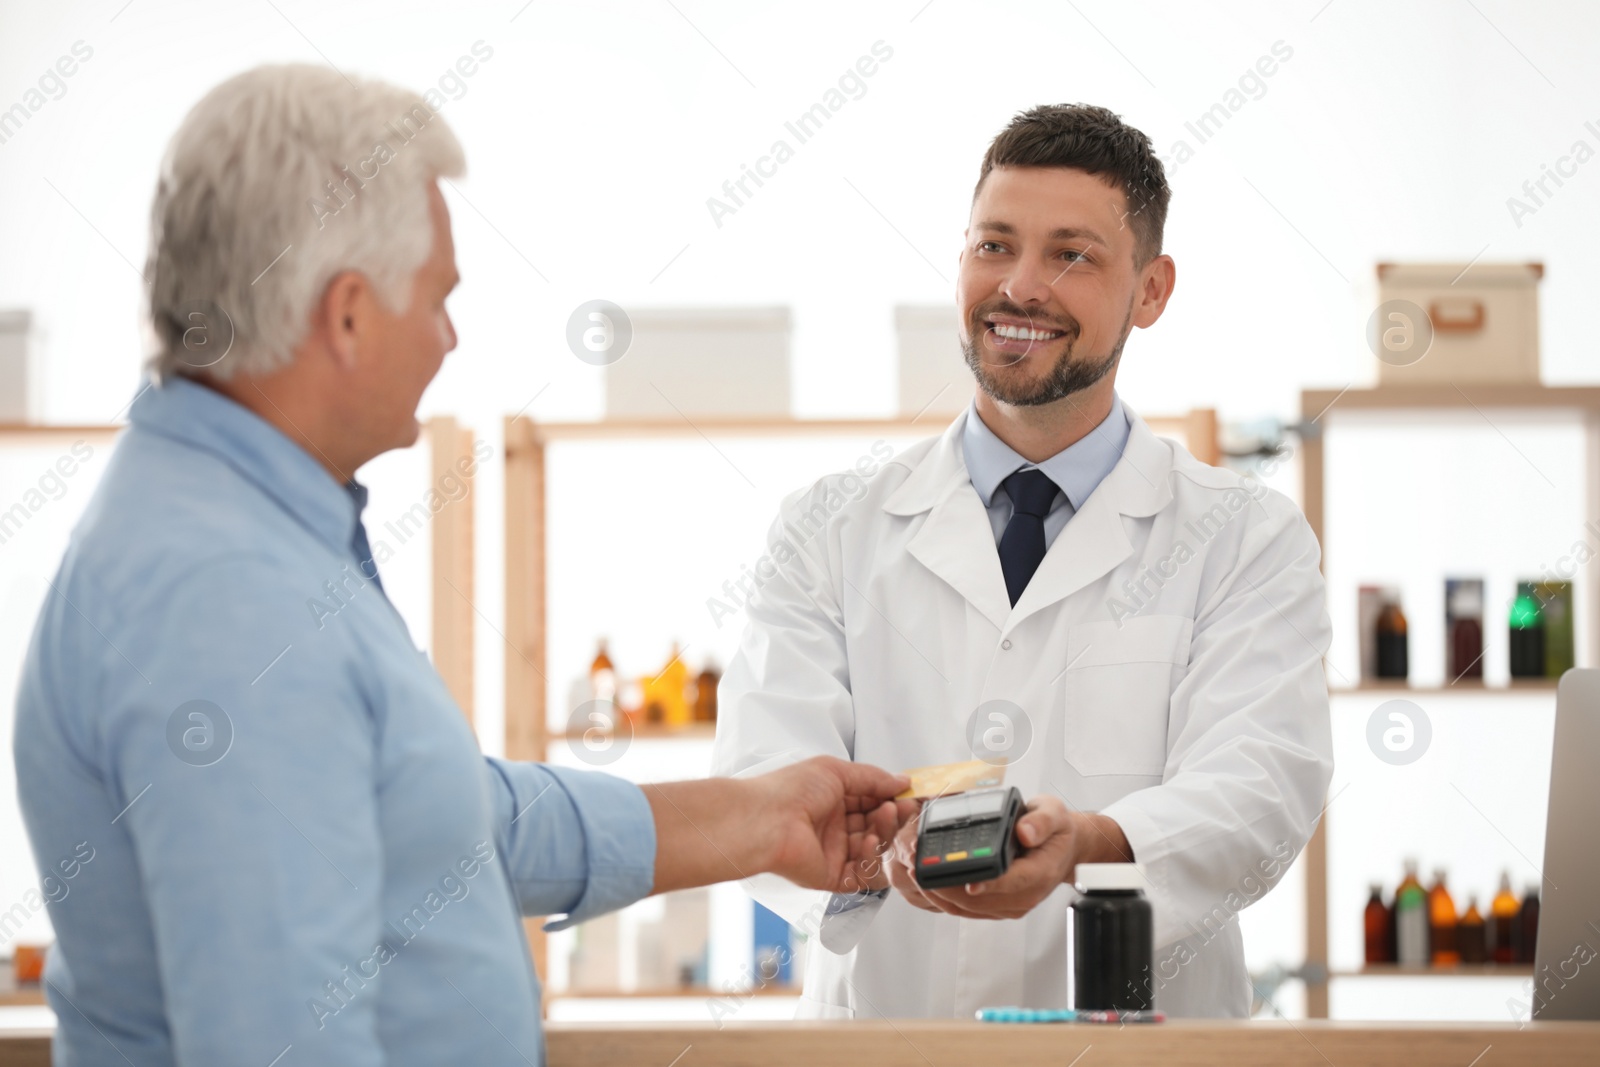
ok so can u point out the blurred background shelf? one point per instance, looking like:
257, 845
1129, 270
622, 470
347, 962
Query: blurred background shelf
770, 990
1410, 444
1476, 687
695, 731
1459, 970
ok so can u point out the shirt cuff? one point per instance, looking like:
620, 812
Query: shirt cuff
619, 834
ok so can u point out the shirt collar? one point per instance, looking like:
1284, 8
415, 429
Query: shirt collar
202, 418
1076, 469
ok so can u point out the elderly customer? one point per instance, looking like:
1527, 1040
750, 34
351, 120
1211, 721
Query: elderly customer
299, 854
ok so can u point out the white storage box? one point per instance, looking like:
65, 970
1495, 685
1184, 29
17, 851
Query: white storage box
934, 378
731, 362
16, 331
1484, 318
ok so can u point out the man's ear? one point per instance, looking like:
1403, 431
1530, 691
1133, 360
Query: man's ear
1156, 284
344, 302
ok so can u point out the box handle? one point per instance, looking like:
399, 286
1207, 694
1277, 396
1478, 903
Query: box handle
1453, 316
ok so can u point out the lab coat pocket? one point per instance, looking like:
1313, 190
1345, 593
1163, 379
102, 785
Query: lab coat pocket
1117, 691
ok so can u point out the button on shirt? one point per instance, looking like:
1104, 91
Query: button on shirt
284, 842
1076, 469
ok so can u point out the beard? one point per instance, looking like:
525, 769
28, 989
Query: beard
1067, 376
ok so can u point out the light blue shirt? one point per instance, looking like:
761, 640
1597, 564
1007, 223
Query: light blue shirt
316, 865
1076, 469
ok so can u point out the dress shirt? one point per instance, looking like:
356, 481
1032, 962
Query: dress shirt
1076, 469
297, 853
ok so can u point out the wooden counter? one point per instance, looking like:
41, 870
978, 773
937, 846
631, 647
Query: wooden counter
942, 1043
939, 1043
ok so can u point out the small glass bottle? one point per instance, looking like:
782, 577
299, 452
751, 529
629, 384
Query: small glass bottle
1411, 920
1466, 630
1503, 912
1470, 934
1527, 634
1525, 934
1392, 655
1442, 924
1376, 924
602, 676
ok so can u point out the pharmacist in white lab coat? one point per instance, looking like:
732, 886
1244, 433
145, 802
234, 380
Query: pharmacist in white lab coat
1140, 634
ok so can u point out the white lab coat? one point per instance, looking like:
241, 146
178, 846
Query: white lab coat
1189, 705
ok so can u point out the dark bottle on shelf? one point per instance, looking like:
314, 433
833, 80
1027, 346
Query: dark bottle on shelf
1470, 935
1465, 611
1527, 634
1503, 912
1376, 923
1525, 934
1392, 659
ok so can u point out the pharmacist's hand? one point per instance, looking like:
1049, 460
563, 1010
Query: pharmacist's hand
1056, 840
827, 820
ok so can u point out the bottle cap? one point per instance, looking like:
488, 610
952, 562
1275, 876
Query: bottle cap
1411, 865
1091, 876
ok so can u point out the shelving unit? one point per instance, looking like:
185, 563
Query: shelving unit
526, 442
1319, 404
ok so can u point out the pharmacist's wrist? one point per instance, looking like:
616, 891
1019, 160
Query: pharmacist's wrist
1096, 839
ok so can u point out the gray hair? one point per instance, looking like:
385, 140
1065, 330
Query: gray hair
279, 179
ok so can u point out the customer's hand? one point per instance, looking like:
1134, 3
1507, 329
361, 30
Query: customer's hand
829, 822
1055, 839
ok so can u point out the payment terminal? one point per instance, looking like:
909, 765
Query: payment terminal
967, 837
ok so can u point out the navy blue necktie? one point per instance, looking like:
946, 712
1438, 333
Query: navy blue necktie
1022, 545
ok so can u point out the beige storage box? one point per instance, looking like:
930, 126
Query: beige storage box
934, 378
683, 362
1485, 321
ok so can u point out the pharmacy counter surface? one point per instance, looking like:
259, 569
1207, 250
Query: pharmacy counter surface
930, 1043
941, 1043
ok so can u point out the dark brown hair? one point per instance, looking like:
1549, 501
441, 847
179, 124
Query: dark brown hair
1094, 140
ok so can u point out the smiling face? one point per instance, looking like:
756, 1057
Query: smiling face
1048, 290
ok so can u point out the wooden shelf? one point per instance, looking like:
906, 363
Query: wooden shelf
26, 994
1396, 403
770, 990
41, 429
1459, 970
1517, 687
1314, 402
695, 731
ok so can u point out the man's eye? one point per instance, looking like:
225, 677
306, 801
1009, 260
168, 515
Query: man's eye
984, 246
1073, 252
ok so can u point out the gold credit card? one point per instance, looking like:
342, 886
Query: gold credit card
947, 778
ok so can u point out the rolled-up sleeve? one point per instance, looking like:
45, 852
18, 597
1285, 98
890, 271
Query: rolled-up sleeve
575, 843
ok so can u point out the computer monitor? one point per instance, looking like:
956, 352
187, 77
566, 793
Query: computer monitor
1566, 969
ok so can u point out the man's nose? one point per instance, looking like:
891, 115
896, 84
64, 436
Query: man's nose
1027, 282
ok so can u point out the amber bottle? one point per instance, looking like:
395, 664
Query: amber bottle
1442, 924
1392, 656
1470, 934
1376, 923
1503, 912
